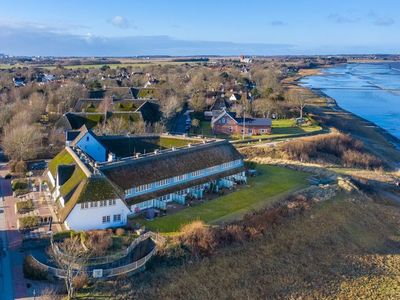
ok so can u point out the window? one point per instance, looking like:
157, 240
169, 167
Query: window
103, 203
112, 202
106, 219
117, 218
262, 130
162, 182
93, 204
84, 205
196, 173
87, 138
143, 187
180, 177
230, 129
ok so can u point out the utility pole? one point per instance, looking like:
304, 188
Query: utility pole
244, 124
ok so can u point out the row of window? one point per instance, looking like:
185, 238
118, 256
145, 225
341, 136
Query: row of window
183, 177
101, 203
107, 219
249, 130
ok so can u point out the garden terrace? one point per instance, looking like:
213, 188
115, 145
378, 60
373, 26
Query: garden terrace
262, 190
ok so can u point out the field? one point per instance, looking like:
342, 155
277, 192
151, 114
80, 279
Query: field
280, 129
263, 190
137, 64
344, 248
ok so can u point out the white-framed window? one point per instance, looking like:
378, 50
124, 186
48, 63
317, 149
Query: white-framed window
117, 218
143, 187
106, 219
112, 202
230, 129
93, 204
84, 205
196, 173
103, 203
180, 177
163, 182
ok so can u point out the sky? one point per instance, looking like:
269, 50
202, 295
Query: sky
206, 27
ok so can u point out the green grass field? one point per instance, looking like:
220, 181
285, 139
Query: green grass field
280, 128
264, 189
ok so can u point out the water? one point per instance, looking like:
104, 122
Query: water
371, 91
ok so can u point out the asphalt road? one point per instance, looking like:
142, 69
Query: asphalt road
6, 284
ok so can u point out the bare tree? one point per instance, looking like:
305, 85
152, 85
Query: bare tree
137, 127
21, 142
171, 105
72, 258
298, 99
104, 107
115, 125
198, 102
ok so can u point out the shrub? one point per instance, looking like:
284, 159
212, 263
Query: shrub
19, 184
21, 167
120, 231
32, 270
198, 238
24, 206
59, 236
21, 192
99, 241
80, 281
337, 148
28, 222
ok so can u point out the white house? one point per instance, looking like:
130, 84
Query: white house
98, 181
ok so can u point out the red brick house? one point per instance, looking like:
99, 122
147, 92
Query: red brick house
227, 123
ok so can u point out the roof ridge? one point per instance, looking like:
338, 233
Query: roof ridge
163, 153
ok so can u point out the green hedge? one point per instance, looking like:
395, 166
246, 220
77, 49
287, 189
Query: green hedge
19, 184
24, 206
29, 222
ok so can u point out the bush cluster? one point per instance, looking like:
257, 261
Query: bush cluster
32, 270
202, 240
24, 206
332, 148
29, 222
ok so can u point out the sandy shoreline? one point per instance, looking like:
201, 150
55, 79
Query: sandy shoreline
332, 115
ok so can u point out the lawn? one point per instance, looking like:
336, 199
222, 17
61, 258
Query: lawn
263, 189
280, 128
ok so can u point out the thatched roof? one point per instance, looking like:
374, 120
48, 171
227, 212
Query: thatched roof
89, 189
136, 172
73, 121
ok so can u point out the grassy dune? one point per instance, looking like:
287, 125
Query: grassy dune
264, 189
339, 249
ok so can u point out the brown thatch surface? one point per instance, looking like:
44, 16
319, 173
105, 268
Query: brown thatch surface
90, 189
153, 168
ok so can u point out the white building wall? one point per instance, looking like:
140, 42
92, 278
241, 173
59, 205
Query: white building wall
51, 178
92, 217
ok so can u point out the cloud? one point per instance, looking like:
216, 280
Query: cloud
277, 23
380, 20
120, 22
341, 19
13, 41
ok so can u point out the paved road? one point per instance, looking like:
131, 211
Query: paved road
6, 284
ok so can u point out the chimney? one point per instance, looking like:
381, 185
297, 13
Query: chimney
111, 157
